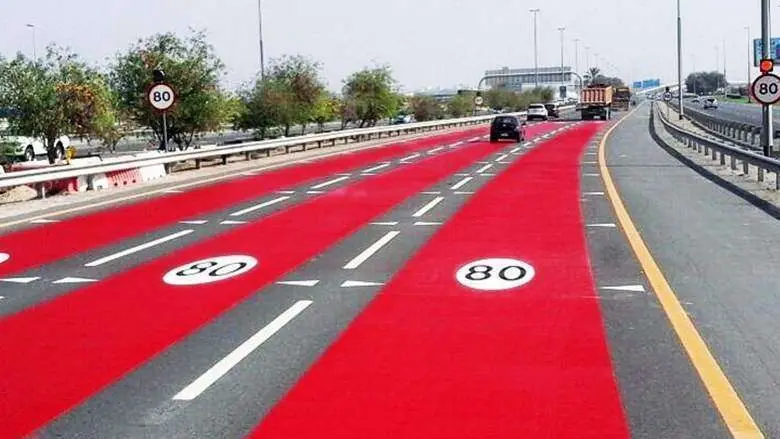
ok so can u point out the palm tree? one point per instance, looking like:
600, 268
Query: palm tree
591, 75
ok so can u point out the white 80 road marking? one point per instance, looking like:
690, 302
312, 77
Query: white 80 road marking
495, 274
210, 270
4, 257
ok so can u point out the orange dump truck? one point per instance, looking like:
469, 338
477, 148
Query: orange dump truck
596, 101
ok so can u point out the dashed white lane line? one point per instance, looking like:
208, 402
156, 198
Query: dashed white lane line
431, 192
592, 175
330, 182
456, 144
286, 192
516, 150
606, 225
231, 223
435, 150
593, 193
485, 168
359, 283
462, 183
633, 288
299, 283
358, 260
224, 365
590, 163
194, 222
315, 192
488, 174
74, 280
259, 206
430, 205
474, 139
502, 157
138, 248
464, 193
376, 168
462, 174
386, 223
20, 280
407, 158
427, 223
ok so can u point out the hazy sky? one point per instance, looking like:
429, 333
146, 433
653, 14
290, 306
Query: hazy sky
428, 43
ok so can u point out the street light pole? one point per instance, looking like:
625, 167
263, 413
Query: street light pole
260, 30
562, 30
767, 131
536, 48
679, 60
35, 45
577, 55
725, 81
749, 60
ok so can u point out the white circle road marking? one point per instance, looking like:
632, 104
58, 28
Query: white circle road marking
210, 270
4, 257
494, 274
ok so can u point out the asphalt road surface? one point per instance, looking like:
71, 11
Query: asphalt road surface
441, 287
735, 112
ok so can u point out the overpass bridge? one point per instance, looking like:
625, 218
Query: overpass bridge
591, 281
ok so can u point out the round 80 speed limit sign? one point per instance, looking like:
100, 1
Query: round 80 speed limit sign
161, 97
766, 89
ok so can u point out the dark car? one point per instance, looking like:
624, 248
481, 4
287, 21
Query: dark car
507, 127
552, 110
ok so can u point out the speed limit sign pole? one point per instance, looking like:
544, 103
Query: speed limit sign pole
161, 98
766, 90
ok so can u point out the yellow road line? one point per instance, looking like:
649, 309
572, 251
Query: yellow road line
731, 408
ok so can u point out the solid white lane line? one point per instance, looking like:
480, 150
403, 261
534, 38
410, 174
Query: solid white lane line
462, 183
502, 157
413, 156
330, 182
259, 206
474, 139
172, 191
286, 192
137, 248
456, 144
423, 210
484, 168
488, 174
224, 365
462, 174
370, 251
376, 168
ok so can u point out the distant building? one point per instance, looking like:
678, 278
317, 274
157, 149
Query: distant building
525, 79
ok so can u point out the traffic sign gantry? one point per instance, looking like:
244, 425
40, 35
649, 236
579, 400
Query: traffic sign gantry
161, 97
766, 89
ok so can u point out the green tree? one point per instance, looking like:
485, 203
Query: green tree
591, 74
296, 80
191, 68
461, 105
326, 109
372, 94
425, 108
52, 97
705, 82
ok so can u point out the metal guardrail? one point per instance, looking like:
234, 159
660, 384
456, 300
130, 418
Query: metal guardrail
39, 177
720, 151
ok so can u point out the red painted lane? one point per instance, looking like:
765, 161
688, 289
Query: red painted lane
48, 243
59, 353
430, 358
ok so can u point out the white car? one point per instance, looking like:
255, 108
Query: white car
28, 148
710, 102
537, 111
